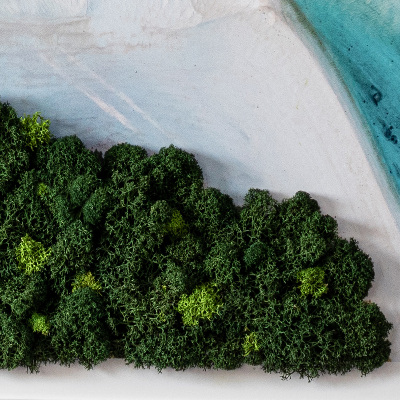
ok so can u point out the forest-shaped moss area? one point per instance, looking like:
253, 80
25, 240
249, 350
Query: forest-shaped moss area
129, 256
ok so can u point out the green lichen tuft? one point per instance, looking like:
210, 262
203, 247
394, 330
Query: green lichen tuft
203, 303
42, 190
40, 324
36, 133
250, 344
86, 280
31, 255
312, 282
176, 227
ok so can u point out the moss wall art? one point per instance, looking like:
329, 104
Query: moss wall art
129, 256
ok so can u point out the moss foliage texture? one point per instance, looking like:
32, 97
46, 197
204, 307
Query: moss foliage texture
129, 256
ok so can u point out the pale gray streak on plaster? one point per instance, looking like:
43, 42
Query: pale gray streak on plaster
86, 70
89, 93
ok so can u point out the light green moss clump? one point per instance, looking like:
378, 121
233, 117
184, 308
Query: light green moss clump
40, 324
176, 226
31, 255
86, 280
201, 304
312, 282
42, 189
36, 133
250, 344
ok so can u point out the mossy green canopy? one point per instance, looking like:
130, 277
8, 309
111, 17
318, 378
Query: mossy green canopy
129, 256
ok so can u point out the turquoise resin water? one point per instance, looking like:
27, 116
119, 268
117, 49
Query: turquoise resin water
362, 37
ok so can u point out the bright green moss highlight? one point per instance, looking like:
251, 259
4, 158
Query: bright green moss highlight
40, 324
36, 133
86, 280
42, 189
176, 226
31, 255
312, 282
203, 303
250, 344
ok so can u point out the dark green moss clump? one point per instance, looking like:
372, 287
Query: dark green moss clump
130, 256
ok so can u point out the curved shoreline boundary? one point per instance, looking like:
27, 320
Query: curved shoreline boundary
297, 19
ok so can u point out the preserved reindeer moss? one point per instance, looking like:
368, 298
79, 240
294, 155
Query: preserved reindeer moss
200, 304
133, 258
250, 344
15, 155
31, 255
86, 280
40, 324
312, 282
36, 133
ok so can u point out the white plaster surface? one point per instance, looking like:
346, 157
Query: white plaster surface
230, 82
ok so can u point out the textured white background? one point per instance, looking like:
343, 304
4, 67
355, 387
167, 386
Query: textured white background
230, 82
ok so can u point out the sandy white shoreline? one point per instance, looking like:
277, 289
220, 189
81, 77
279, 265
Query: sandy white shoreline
232, 84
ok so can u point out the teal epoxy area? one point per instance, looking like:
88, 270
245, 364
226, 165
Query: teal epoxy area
362, 38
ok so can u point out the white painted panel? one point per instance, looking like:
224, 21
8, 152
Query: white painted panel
15, 10
114, 380
228, 81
